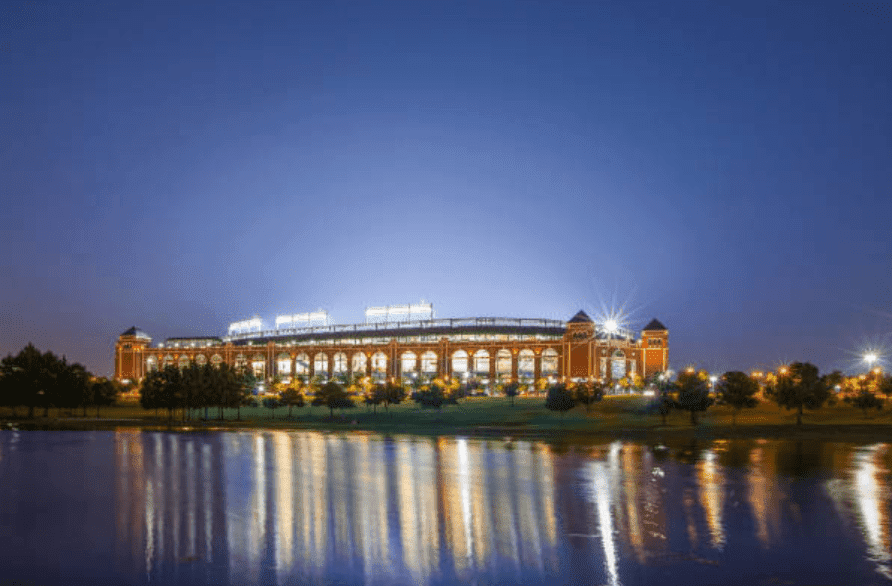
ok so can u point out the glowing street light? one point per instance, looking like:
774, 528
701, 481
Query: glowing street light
870, 358
610, 326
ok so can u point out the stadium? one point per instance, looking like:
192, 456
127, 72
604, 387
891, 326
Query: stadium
406, 342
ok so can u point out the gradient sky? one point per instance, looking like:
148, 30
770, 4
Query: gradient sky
724, 167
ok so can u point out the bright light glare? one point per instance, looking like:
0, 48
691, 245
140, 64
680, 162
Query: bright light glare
870, 357
610, 325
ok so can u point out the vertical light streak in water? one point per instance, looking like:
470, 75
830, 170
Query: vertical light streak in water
191, 490
417, 493
464, 483
503, 511
150, 528
339, 492
614, 479
631, 478
546, 490
759, 495
208, 495
258, 503
318, 471
711, 481
284, 517
159, 506
871, 491
408, 515
174, 492
525, 491
368, 502
602, 491
480, 506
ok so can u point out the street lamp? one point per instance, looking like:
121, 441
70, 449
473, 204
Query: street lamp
870, 358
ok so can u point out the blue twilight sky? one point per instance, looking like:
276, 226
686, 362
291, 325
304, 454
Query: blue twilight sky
724, 167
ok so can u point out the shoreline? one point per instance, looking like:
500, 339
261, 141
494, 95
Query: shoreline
845, 432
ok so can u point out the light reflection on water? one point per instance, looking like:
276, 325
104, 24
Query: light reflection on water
312, 508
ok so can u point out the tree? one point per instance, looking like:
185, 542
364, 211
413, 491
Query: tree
588, 393
292, 398
333, 396
394, 394
375, 396
272, 403
511, 389
103, 393
737, 390
433, 396
244, 388
800, 387
162, 389
865, 400
663, 403
833, 379
692, 394
559, 398
885, 386
25, 378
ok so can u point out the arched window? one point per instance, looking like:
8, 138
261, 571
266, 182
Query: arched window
617, 365
459, 362
283, 364
201, 359
216, 360
258, 364
184, 361
302, 364
340, 363
241, 361
151, 363
379, 363
407, 362
429, 362
526, 363
320, 364
481, 363
359, 363
549, 362
503, 362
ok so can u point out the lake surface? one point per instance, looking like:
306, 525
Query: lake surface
273, 507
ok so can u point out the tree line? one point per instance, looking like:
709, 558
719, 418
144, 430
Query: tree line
41, 380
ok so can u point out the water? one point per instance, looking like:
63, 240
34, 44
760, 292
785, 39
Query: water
134, 507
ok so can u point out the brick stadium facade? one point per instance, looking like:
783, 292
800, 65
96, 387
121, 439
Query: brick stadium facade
488, 349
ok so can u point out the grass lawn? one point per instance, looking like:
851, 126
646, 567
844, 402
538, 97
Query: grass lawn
620, 417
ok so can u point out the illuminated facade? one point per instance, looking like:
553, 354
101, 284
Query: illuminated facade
484, 348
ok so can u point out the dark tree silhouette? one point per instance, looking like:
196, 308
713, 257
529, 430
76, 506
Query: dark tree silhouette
588, 393
737, 390
272, 403
333, 396
394, 394
292, 398
800, 388
865, 400
511, 390
559, 398
692, 394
